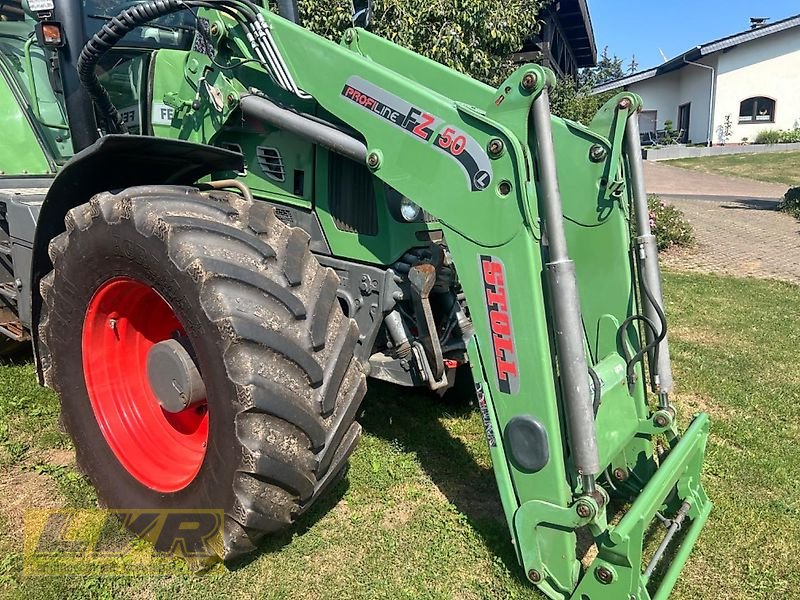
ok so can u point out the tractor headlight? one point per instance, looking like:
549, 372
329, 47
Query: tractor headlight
409, 210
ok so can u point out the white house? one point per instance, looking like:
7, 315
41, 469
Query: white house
746, 82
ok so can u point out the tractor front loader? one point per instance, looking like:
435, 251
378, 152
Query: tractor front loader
216, 225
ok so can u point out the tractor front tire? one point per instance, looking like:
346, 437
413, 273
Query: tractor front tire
266, 334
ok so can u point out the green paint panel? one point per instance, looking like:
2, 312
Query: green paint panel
25, 156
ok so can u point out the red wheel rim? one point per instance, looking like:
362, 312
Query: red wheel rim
163, 451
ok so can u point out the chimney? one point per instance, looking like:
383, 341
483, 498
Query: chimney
758, 22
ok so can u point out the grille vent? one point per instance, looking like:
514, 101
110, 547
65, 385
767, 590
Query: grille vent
271, 163
352, 197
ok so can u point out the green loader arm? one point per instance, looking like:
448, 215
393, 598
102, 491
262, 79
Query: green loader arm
536, 213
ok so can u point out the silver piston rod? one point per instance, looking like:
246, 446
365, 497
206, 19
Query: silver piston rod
566, 308
647, 263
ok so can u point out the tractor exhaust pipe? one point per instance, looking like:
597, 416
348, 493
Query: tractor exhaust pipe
647, 265
568, 323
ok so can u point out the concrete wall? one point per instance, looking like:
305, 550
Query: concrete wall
667, 92
696, 88
661, 95
769, 67
677, 151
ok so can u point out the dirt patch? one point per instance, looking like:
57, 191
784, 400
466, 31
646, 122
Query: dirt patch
699, 335
689, 403
59, 457
399, 514
21, 491
587, 548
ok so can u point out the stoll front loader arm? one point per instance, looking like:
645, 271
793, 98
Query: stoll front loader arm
536, 214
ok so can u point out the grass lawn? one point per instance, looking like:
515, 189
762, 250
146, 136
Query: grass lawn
418, 515
774, 167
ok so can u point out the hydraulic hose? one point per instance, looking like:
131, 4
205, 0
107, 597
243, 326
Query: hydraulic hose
105, 39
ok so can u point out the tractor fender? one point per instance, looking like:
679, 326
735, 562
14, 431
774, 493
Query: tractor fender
116, 162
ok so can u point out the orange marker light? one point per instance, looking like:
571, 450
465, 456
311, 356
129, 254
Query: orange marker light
51, 34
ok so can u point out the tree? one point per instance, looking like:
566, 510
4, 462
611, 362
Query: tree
573, 98
475, 37
608, 68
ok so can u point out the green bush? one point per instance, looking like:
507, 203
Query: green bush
790, 136
768, 136
791, 202
778, 136
669, 225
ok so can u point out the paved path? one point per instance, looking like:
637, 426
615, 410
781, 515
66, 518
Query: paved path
674, 181
738, 230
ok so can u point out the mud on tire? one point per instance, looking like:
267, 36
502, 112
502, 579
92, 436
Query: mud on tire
271, 341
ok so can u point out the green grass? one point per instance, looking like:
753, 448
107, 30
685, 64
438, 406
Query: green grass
418, 515
773, 167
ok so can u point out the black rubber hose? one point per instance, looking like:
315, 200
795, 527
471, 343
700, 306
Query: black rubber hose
105, 39
658, 336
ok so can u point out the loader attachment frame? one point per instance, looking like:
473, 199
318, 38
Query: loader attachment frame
498, 200
566, 413
536, 214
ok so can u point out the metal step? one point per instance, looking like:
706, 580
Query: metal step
8, 291
14, 330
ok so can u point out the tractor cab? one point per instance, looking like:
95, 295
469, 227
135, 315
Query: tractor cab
39, 47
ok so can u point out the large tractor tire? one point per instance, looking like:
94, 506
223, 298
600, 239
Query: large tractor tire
223, 292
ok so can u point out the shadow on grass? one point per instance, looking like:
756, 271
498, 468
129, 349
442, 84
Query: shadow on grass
15, 353
412, 419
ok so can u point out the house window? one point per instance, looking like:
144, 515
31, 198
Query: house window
757, 110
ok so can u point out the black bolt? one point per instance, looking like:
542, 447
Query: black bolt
504, 188
620, 474
584, 511
534, 576
604, 575
529, 80
597, 153
495, 147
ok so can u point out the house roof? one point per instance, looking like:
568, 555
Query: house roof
576, 23
700, 51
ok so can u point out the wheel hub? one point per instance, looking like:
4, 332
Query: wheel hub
174, 377
145, 390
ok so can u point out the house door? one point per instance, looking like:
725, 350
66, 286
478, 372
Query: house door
684, 112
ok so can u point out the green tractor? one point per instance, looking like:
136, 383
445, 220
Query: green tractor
215, 226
